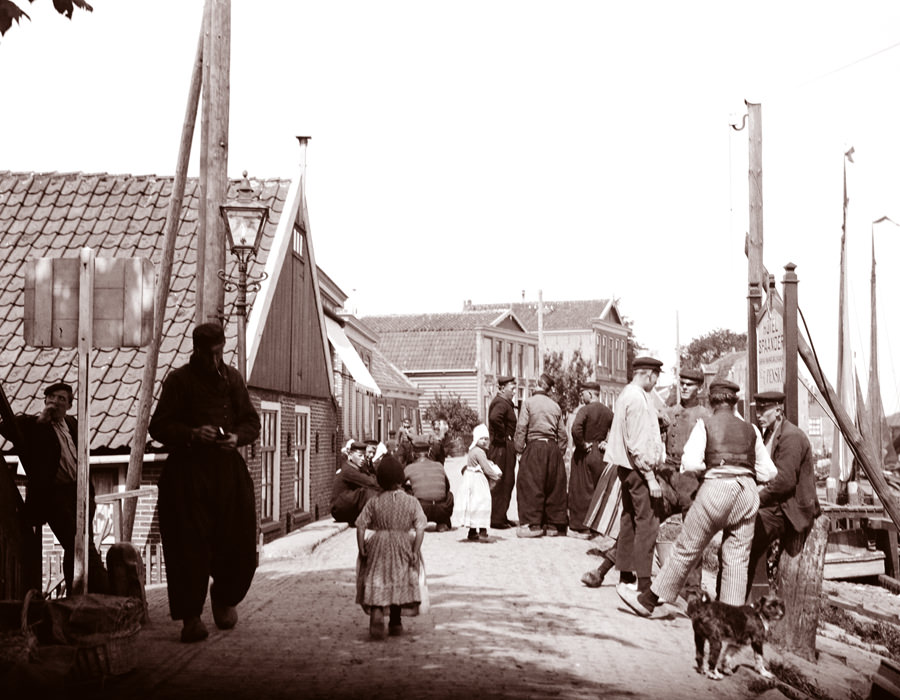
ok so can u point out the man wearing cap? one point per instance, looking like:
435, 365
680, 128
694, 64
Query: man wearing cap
635, 448
47, 444
429, 483
679, 488
371, 448
541, 440
789, 502
731, 456
207, 507
502, 451
589, 430
353, 485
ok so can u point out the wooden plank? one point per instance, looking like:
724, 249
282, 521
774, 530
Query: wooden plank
862, 610
85, 336
43, 302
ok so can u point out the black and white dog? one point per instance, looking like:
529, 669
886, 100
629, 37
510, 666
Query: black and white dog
728, 628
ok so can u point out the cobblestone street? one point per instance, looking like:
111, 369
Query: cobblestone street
509, 619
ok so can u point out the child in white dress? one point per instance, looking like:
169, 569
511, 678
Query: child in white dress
475, 491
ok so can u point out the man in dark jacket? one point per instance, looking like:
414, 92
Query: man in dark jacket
49, 455
502, 451
353, 486
589, 430
789, 502
207, 508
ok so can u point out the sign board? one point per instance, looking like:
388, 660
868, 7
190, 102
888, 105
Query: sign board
770, 352
122, 308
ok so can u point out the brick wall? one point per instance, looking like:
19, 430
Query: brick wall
323, 451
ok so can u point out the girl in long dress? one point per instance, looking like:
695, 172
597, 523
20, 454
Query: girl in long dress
475, 490
389, 571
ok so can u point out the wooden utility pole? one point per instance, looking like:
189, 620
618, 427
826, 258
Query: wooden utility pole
151, 363
754, 250
540, 315
210, 290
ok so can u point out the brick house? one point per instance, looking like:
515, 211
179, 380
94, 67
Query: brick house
288, 353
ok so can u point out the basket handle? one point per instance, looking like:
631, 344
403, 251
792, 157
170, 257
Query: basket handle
28, 596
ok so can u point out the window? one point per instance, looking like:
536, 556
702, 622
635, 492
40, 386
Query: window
297, 242
509, 358
269, 461
390, 418
498, 357
521, 363
815, 427
379, 424
300, 485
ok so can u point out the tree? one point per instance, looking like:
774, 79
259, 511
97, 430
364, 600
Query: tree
710, 347
567, 378
10, 12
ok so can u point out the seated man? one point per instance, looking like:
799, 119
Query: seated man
429, 483
353, 486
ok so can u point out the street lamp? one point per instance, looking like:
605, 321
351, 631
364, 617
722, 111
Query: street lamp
244, 220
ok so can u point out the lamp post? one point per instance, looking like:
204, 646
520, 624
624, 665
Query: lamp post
244, 220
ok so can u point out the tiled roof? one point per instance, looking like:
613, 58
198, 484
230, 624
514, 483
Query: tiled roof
388, 376
558, 315
464, 320
438, 341
429, 350
54, 215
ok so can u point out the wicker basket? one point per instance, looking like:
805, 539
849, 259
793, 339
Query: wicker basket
18, 646
112, 655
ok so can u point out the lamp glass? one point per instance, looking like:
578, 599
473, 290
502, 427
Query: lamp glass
243, 226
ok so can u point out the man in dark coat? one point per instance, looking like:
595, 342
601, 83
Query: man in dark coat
207, 508
789, 502
589, 430
502, 451
49, 455
353, 486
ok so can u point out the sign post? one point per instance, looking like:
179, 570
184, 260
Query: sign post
85, 303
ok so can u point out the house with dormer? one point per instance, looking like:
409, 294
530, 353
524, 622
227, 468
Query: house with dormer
289, 354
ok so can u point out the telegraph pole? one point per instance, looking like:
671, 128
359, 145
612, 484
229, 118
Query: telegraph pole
754, 244
210, 292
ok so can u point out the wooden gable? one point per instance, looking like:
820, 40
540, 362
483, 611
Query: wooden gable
291, 355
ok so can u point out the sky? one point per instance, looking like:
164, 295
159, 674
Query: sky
497, 150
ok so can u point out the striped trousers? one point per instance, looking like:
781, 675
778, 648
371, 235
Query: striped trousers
724, 504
